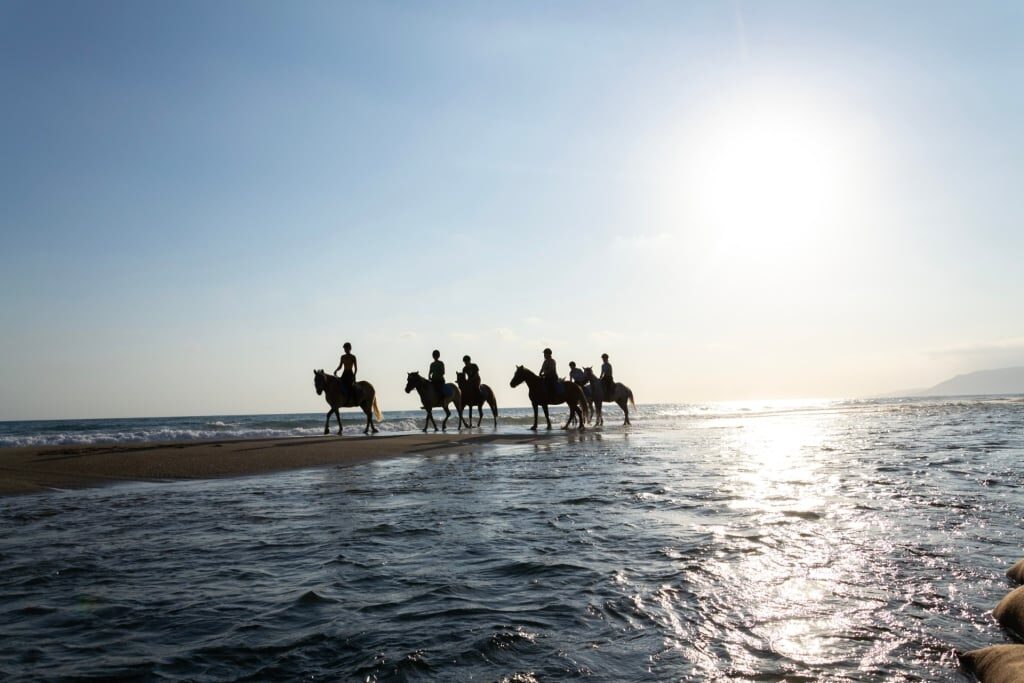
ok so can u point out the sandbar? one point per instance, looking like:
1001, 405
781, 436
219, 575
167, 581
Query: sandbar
26, 470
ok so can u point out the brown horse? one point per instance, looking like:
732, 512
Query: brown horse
425, 388
572, 396
620, 395
362, 395
473, 395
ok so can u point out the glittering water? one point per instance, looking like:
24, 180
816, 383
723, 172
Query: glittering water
834, 541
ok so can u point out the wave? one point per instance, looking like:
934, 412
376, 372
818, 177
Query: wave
238, 427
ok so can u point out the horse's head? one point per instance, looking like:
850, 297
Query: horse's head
412, 381
319, 382
460, 377
519, 377
588, 373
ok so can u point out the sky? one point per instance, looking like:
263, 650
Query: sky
735, 200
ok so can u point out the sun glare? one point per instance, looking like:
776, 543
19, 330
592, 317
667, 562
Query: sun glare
770, 179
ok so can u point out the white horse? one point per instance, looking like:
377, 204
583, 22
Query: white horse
621, 394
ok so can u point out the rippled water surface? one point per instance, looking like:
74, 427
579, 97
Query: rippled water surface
848, 541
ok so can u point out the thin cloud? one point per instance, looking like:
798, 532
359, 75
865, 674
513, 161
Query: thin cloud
1000, 346
506, 334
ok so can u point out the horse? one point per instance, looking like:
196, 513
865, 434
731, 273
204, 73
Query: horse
472, 395
428, 396
362, 395
590, 405
620, 394
539, 396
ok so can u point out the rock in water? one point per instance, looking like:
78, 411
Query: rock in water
996, 664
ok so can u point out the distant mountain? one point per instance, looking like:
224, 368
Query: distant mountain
1001, 381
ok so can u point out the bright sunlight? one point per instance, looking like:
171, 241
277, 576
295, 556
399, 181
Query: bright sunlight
771, 179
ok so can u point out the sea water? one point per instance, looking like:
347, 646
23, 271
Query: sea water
824, 541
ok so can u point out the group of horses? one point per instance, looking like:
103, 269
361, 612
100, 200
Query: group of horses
584, 401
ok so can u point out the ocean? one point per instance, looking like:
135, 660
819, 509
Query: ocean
759, 541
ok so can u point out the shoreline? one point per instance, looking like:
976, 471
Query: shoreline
38, 469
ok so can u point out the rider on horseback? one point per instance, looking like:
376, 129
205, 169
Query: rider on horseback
472, 371
607, 383
576, 374
351, 367
436, 376
549, 374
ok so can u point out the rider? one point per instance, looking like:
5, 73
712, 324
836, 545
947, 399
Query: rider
607, 383
575, 374
436, 376
549, 373
351, 367
472, 371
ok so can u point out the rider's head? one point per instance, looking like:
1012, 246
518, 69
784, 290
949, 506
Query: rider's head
547, 352
572, 364
604, 356
436, 354
347, 347
465, 359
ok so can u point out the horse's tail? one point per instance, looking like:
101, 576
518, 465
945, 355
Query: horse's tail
493, 403
631, 401
376, 410
584, 408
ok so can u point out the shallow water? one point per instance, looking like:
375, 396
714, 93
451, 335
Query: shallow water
845, 541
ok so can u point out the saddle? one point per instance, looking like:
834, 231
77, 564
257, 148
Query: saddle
558, 390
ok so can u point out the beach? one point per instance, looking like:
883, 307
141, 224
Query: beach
35, 469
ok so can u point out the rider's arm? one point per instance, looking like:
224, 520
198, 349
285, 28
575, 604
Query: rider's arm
355, 366
340, 363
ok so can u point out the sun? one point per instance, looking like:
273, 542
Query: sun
769, 178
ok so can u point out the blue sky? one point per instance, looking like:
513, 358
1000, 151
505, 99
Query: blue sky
203, 200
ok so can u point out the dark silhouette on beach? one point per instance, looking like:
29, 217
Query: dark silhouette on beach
358, 394
620, 394
351, 367
432, 397
435, 373
607, 383
552, 392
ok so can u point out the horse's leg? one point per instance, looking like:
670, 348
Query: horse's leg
426, 423
493, 403
327, 423
625, 409
337, 414
572, 414
447, 414
546, 415
534, 427
369, 414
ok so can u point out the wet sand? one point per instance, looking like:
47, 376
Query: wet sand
32, 469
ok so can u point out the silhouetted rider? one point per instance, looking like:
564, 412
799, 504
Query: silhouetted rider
472, 372
607, 383
549, 374
436, 376
351, 367
575, 373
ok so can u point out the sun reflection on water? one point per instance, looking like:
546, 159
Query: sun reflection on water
785, 584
